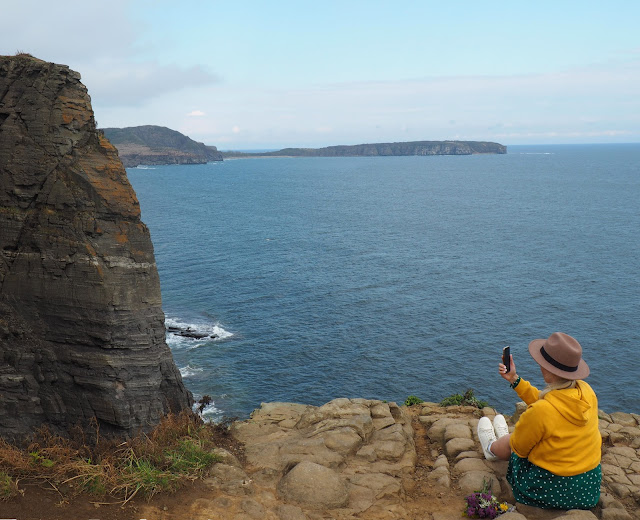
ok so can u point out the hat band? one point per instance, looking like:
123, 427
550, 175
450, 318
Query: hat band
555, 363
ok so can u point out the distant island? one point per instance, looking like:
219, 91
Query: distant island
153, 145
384, 149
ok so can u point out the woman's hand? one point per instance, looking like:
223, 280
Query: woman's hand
510, 376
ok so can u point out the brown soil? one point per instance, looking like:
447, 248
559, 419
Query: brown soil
41, 501
422, 496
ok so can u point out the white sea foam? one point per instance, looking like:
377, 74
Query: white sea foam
210, 412
190, 371
177, 341
143, 167
220, 332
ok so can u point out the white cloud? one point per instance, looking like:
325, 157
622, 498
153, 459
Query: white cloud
101, 44
119, 83
236, 129
196, 113
564, 134
66, 31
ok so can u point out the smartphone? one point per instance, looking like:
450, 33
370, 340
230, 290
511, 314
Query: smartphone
506, 358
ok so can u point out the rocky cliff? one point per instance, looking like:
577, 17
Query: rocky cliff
386, 149
82, 332
151, 144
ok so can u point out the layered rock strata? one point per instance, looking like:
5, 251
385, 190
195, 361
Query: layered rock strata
82, 334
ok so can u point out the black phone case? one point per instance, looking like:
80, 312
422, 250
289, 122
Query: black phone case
506, 358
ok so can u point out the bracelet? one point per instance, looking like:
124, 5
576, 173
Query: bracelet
516, 382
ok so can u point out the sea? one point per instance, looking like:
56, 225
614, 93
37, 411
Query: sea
385, 277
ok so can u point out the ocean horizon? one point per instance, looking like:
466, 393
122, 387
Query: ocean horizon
384, 277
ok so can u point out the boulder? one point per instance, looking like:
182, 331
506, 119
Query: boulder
470, 464
456, 446
313, 486
624, 419
457, 430
472, 481
615, 514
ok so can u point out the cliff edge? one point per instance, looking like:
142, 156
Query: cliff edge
82, 333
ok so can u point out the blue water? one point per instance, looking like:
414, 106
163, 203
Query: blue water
390, 276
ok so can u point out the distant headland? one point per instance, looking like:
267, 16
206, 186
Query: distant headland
384, 149
152, 144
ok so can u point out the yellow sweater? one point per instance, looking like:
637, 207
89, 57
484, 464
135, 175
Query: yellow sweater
560, 431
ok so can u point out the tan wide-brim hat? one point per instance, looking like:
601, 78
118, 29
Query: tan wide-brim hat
561, 355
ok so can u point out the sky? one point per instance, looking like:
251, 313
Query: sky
248, 75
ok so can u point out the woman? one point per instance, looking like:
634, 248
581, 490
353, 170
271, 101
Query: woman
554, 451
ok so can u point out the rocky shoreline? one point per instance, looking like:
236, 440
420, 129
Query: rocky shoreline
358, 458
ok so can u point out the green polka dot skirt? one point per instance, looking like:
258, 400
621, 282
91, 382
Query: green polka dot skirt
538, 487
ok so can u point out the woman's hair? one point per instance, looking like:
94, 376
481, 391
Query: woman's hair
560, 384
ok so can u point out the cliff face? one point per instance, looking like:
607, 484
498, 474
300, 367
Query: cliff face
158, 145
81, 325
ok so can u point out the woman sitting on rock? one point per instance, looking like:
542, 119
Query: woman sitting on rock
554, 451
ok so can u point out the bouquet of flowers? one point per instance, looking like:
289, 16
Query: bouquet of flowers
482, 504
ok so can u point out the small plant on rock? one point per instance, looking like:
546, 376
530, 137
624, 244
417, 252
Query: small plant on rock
466, 399
412, 399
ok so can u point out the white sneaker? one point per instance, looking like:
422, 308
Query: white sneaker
486, 435
500, 426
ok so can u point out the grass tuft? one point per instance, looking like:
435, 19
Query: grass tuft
466, 399
8, 486
178, 450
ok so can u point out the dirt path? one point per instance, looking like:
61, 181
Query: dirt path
422, 495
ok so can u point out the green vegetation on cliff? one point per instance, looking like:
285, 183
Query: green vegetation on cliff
180, 449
